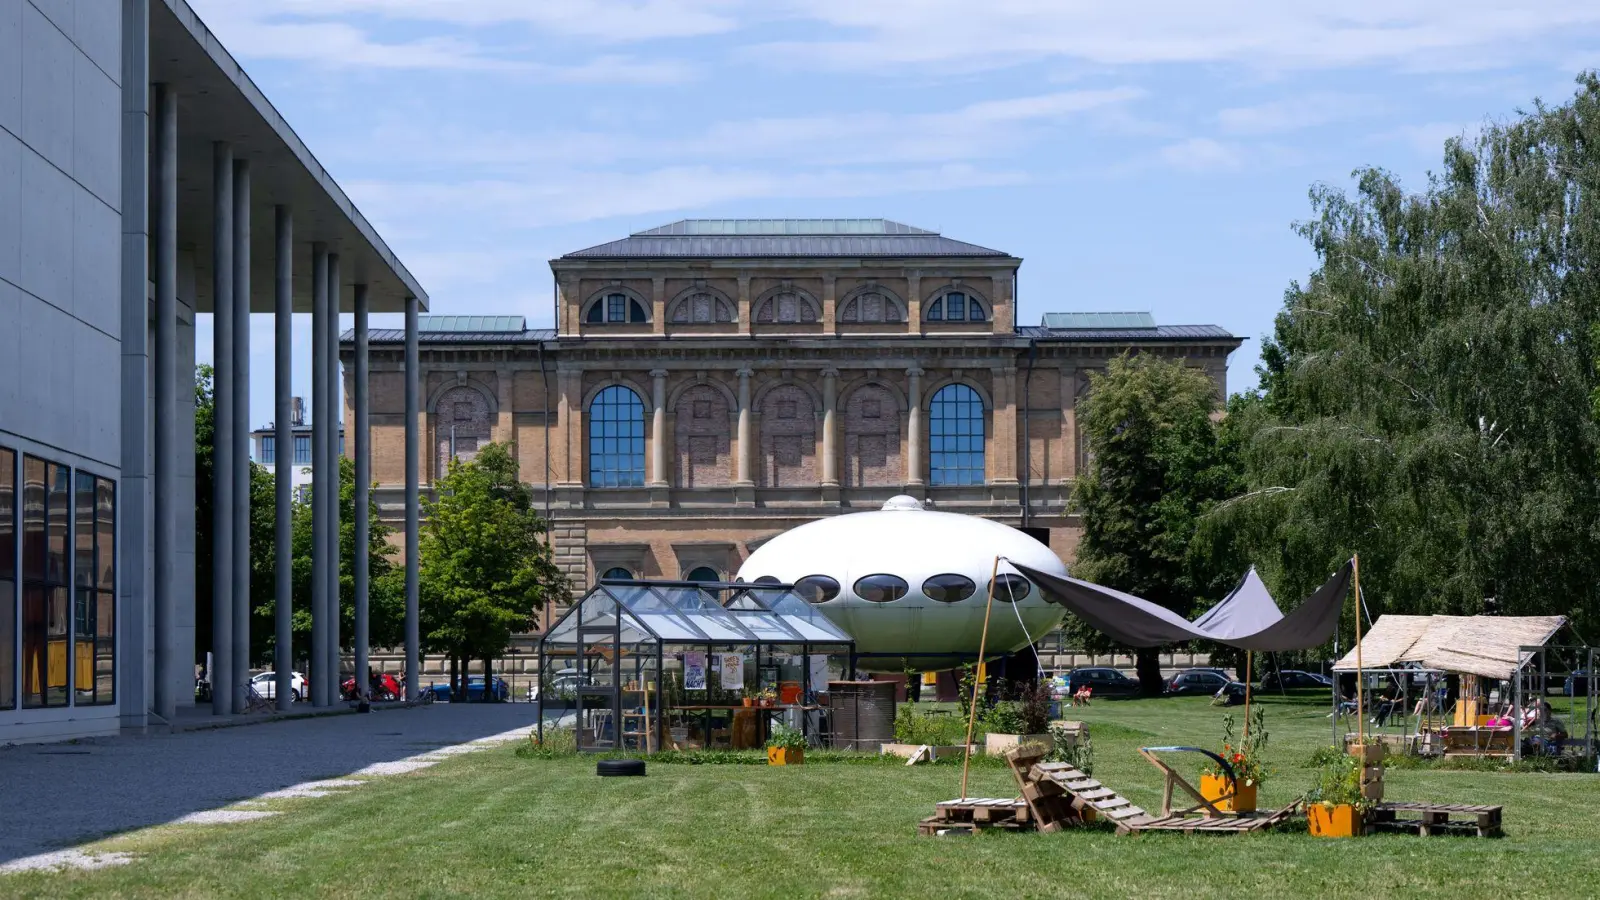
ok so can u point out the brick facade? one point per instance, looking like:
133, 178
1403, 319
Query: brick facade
871, 380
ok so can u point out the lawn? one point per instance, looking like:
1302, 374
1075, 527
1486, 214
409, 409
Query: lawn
494, 824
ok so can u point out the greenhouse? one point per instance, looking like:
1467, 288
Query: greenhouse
654, 665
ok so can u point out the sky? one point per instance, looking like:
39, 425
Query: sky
1141, 155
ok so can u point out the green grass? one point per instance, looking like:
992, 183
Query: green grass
495, 824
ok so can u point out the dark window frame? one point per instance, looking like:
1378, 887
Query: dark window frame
957, 435
615, 452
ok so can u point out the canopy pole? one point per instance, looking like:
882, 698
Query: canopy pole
1249, 656
972, 712
1361, 713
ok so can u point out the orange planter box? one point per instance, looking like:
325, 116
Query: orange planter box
779, 756
1334, 821
1214, 787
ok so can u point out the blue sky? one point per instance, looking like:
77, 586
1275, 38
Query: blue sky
1148, 155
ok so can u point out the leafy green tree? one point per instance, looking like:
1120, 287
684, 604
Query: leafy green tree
1429, 395
1155, 467
485, 566
261, 524
386, 602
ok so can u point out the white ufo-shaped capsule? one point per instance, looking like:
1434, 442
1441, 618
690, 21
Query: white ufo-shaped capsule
910, 584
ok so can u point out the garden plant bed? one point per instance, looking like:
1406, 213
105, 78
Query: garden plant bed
1436, 818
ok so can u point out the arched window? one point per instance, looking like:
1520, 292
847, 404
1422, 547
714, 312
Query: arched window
616, 438
956, 306
871, 308
955, 436
616, 573
702, 308
703, 575
616, 308
787, 307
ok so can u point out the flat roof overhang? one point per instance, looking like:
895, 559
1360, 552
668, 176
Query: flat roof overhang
217, 101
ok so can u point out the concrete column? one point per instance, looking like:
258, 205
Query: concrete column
914, 449
165, 463
830, 427
240, 477
413, 407
746, 443
320, 421
225, 687
133, 684
335, 457
658, 428
658, 305
283, 461
363, 452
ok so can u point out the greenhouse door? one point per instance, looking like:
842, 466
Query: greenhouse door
597, 713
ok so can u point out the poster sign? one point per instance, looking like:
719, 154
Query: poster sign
694, 670
819, 673
732, 671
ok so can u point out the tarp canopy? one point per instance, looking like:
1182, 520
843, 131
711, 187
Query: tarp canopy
1486, 646
1247, 618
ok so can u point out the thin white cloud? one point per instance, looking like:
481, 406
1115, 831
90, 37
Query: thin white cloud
1428, 138
1295, 113
1201, 154
556, 200
939, 36
606, 21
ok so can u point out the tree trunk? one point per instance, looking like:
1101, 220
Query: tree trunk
455, 675
488, 681
1147, 663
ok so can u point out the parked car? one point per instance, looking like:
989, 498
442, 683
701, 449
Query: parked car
1102, 682
562, 684
1292, 679
501, 692
1196, 682
266, 684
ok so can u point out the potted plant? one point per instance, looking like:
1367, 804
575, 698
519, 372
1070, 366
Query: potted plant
747, 699
767, 698
786, 746
1023, 720
1335, 807
1244, 758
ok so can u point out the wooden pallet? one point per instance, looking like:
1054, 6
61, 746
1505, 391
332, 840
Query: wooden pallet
1058, 794
1240, 823
1436, 818
975, 813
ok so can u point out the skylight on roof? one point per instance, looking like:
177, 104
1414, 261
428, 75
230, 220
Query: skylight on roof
1090, 321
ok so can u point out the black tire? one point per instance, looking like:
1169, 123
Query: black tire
294, 696
613, 768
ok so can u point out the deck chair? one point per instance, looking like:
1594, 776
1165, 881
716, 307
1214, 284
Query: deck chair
1172, 779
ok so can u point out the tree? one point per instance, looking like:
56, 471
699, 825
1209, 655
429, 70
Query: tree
1155, 467
485, 567
386, 604
261, 522
1428, 398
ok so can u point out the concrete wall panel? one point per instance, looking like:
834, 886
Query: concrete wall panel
96, 130
97, 265
47, 66
11, 151
97, 30
10, 71
45, 269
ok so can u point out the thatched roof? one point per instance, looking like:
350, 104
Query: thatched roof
1476, 645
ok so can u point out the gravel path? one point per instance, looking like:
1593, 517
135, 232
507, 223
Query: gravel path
55, 796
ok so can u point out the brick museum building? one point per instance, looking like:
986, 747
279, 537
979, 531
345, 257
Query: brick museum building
712, 383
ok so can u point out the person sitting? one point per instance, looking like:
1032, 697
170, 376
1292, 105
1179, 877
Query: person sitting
1083, 695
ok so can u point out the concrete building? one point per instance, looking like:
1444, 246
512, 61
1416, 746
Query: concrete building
297, 459
145, 181
712, 383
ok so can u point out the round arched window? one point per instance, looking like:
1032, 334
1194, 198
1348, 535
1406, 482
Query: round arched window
1010, 588
817, 588
949, 588
881, 588
616, 573
768, 579
703, 575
